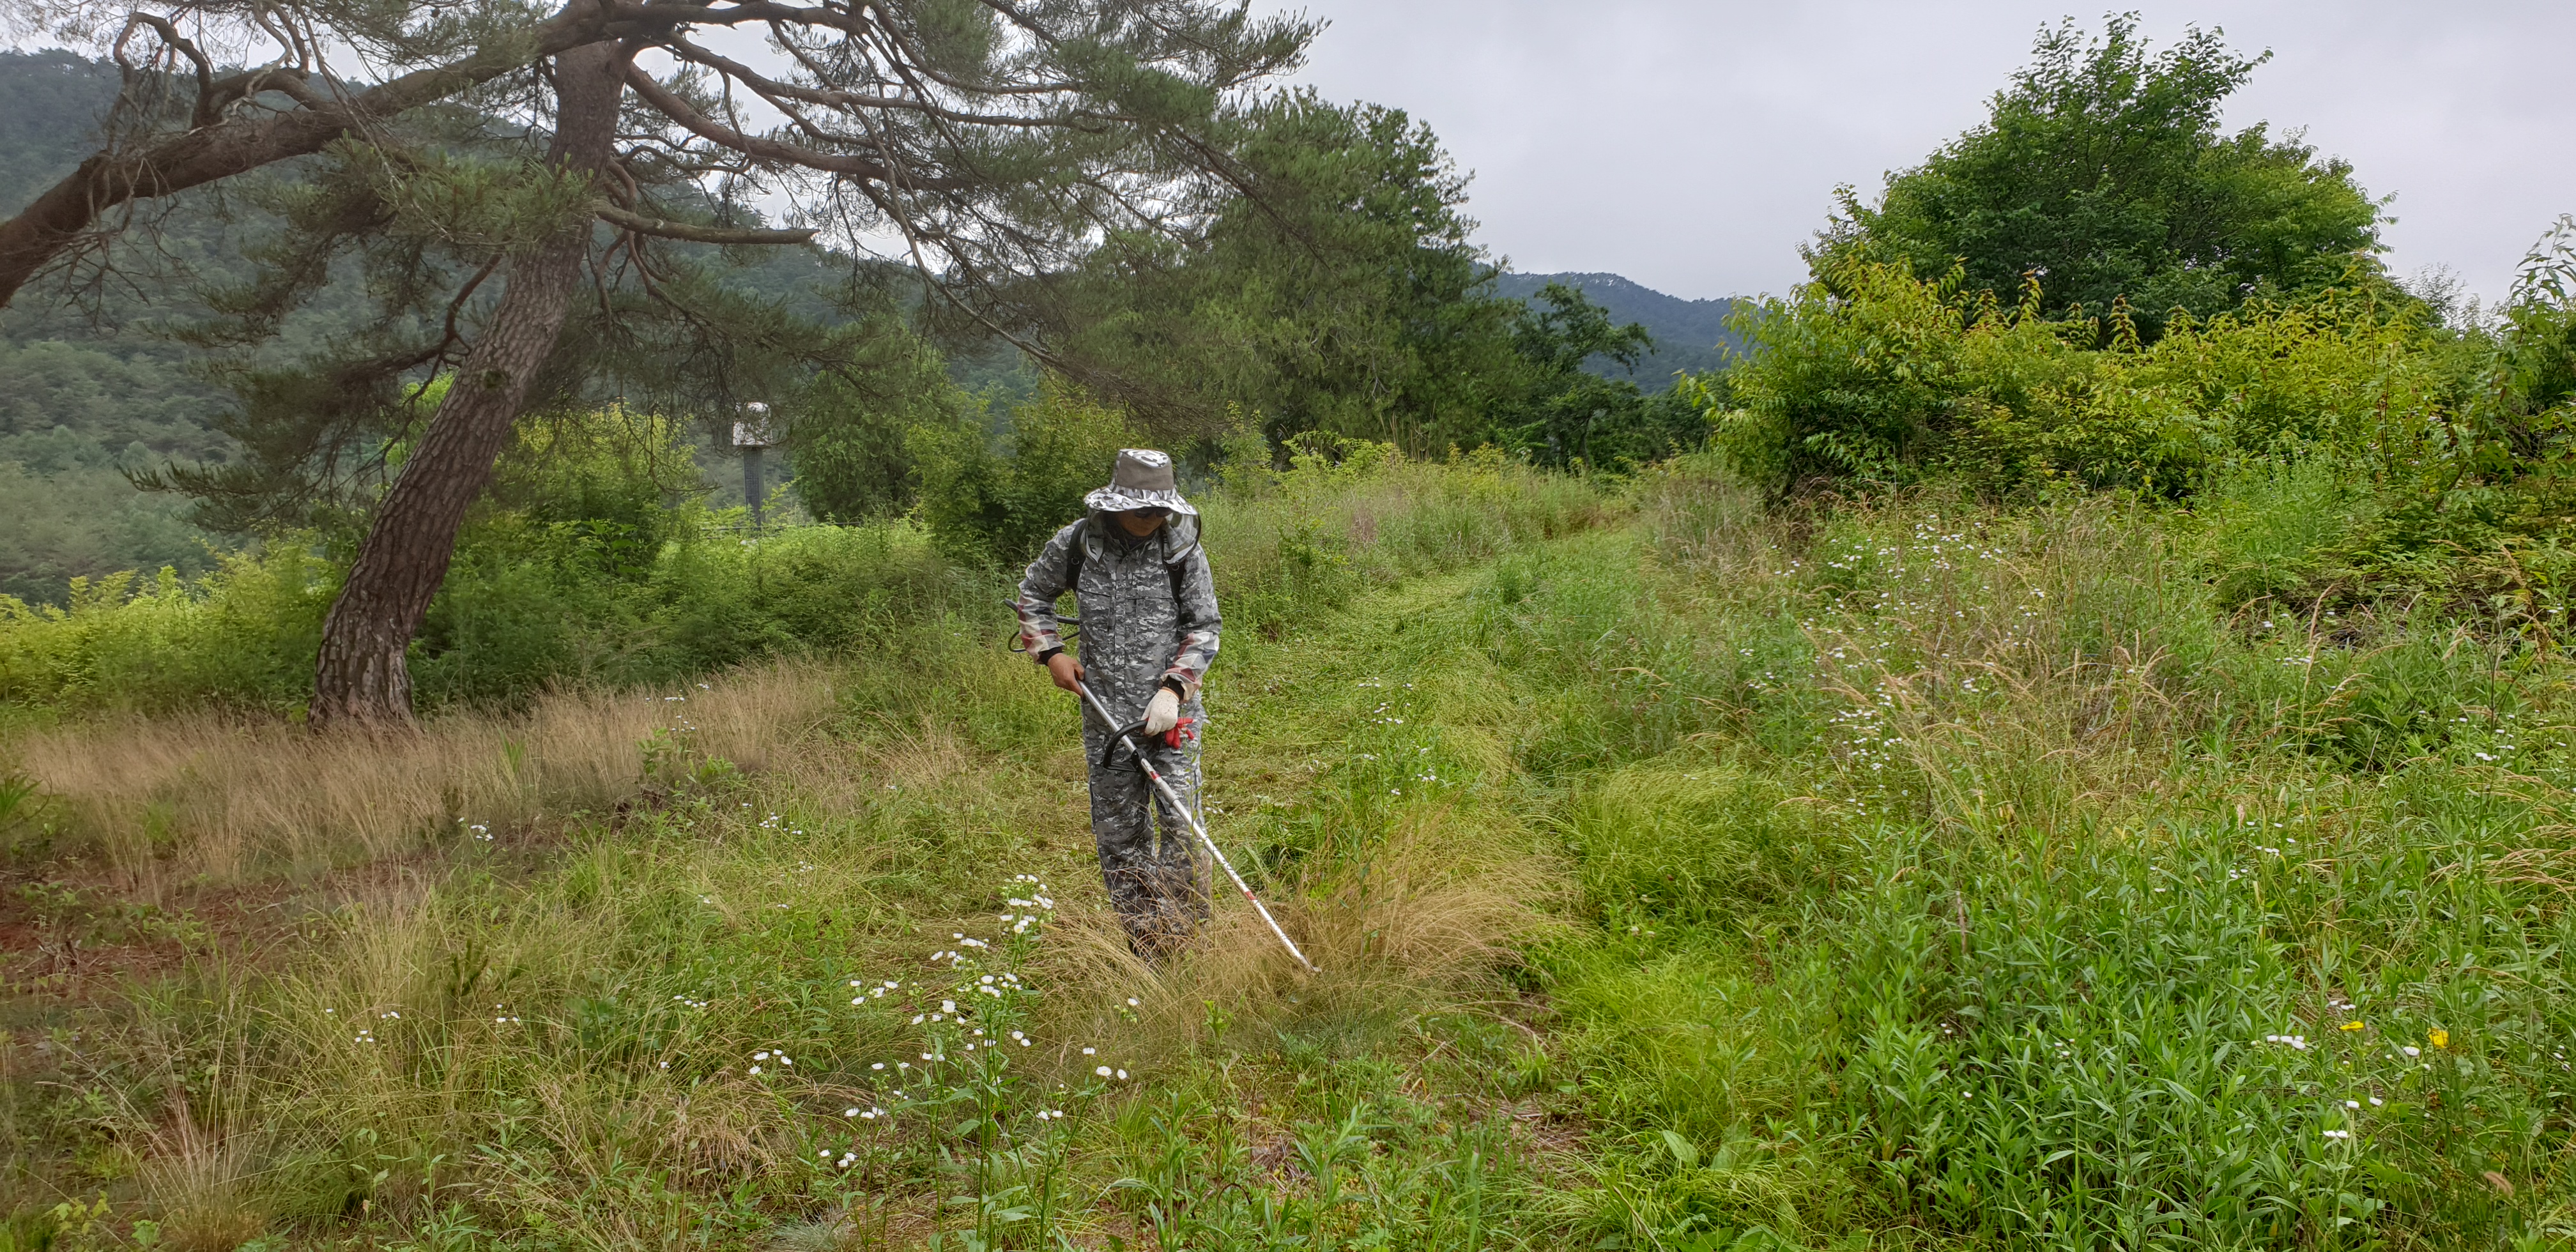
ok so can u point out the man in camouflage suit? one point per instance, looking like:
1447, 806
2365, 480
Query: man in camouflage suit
1149, 630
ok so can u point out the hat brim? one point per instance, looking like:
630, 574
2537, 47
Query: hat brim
1121, 500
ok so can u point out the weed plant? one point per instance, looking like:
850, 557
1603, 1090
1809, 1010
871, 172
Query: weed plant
1684, 874
2014, 890
506, 981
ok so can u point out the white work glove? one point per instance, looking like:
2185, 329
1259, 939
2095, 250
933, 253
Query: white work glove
1162, 712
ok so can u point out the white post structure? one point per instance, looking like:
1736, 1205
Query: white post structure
752, 434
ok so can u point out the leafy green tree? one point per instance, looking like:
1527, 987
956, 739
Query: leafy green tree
986, 505
2103, 172
1342, 296
2532, 381
849, 428
994, 142
1339, 294
1564, 415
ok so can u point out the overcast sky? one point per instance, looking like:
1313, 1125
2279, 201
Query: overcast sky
1693, 146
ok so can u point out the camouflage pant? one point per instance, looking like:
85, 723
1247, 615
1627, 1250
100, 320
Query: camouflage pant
1153, 883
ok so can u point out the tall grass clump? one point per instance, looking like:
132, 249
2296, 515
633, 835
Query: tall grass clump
183, 802
2027, 893
868, 991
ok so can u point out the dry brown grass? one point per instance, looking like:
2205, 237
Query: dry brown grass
197, 1161
1422, 919
201, 1181
216, 801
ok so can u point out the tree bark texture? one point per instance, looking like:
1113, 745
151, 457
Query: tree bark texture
360, 677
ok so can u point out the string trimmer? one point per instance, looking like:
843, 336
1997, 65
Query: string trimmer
1173, 798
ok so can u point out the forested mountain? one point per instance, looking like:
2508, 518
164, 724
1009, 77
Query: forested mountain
49, 109
97, 387
78, 402
1689, 334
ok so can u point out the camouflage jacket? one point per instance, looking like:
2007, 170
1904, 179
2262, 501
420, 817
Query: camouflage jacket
1148, 609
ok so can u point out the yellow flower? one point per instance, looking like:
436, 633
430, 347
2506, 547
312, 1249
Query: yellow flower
2352, 1025
2438, 1037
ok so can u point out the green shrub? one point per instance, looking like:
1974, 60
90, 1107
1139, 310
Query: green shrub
849, 429
2271, 527
509, 622
613, 480
244, 634
1875, 374
997, 507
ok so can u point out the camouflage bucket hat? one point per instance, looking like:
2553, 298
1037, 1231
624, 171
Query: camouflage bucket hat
1141, 480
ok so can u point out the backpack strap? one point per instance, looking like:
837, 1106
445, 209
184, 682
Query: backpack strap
1081, 548
1175, 567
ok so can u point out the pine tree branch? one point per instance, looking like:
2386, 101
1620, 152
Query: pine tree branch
669, 104
69, 211
692, 233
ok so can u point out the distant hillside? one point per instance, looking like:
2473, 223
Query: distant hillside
82, 401
1689, 334
50, 103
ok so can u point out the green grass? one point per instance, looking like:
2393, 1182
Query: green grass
1908, 876
2003, 951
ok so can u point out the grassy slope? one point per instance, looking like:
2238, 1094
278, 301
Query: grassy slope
2014, 893
542, 1022
1915, 877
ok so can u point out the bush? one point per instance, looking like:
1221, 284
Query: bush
609, 478
1878, 375
997, 507
243, 635
2346, 447
582, 569
848, 431
507, 624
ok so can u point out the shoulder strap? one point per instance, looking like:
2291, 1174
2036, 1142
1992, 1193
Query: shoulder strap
1175, 567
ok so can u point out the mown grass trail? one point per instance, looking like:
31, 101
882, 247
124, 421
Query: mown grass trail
1913, 876
726, 1008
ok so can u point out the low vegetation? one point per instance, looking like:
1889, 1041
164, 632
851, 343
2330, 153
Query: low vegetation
1684, 875
2008, 769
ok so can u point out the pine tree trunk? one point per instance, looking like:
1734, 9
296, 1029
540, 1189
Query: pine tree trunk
360, 677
